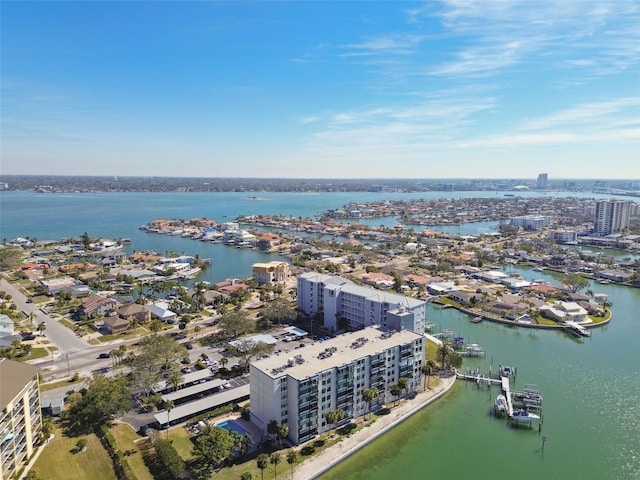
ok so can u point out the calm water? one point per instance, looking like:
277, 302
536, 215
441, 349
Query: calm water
591, 387
591, 409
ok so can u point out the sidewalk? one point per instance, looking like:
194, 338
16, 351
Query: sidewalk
318, 464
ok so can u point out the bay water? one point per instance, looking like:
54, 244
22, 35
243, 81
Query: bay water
591, 387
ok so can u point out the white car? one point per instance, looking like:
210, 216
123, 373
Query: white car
226, 385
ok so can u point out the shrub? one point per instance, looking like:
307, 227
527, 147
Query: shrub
168, 456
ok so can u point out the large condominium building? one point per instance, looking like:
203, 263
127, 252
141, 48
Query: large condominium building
20, 415
338, 298
612, 216
543, 181
332, 375
531, 222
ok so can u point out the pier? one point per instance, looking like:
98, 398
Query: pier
506, 389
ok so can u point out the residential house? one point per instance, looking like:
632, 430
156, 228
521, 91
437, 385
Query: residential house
271, 272
135, 311
98, 306
116, 325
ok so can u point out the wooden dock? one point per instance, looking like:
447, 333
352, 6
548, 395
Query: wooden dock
479, 379
506, 389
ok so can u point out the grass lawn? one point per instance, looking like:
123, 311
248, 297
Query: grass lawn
125, 439
57, 462
122, 336
181, 439
62, 383
37, 353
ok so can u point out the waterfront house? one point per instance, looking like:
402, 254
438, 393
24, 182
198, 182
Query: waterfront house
271, 272
161, 311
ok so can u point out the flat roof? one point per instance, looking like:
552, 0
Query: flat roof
210, 402
268, 339
296, 331
188, 378
370, 341
193, 390
14, 376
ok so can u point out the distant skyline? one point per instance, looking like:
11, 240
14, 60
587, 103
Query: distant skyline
306, 89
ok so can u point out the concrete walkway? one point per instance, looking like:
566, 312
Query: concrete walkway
318, 464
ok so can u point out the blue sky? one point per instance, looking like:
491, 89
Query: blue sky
368, 89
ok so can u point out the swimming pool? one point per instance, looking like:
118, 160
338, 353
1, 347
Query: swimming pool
234, 427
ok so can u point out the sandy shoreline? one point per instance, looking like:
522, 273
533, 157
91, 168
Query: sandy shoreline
317, 465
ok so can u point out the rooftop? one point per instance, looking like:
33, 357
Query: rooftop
13, 378
343, 349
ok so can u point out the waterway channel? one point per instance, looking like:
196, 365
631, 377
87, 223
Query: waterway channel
591, 407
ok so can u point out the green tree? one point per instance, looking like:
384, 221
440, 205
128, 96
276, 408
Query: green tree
444, 350
198, 296
280, 311
282, 432
334, 416
155, 352
427, 370
169, 458
236, 323
275, 460
174, 380
395, 391
214, 446
246, 476
576, 282
403, 383
369, 395
104, 397
263, 462
292, 459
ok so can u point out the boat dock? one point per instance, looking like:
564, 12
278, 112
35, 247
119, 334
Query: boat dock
506, 390
478, 378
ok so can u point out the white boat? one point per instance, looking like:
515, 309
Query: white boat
524, 416
474, 350
501, 404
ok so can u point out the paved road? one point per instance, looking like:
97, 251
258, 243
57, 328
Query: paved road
60, 336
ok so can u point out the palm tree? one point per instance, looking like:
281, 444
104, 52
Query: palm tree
443, 352
246, 476
334, 416
275, 459
41, 328
427, 370
263, 463
174, 380
197, 330
292, 459
198, 294
155, 326
403, 383
395, 390
168, 405
224, 361
368, 395
282, 432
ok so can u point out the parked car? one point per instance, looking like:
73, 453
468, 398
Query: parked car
188, 346
104, 355
29, 337
185, 360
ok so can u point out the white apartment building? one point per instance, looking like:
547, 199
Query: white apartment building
331, 375
612, 216
20, 415
361, 306
564, 236
531, 222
